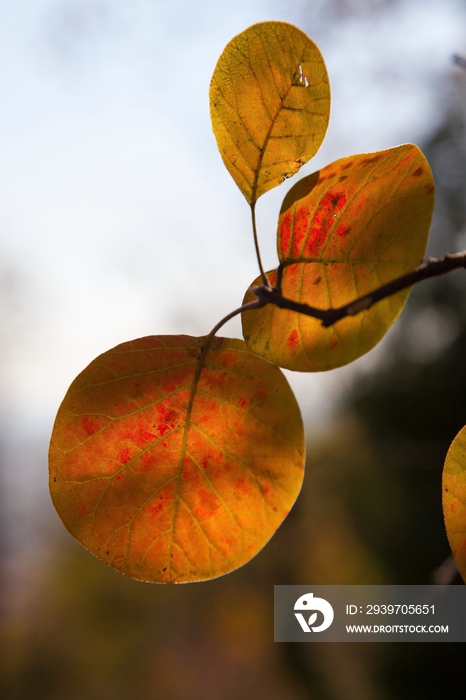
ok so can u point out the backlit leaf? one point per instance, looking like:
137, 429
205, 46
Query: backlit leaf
269, 104
454, 499
166, 492
343, 231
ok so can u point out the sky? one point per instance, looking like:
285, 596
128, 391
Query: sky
117, 216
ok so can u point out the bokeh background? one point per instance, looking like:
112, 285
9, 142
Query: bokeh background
118, 220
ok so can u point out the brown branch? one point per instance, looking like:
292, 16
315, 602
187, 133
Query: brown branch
459, 60
431, 268
273, 296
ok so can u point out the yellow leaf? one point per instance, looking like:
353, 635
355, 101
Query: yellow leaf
343, 231
454, 499
171, 476
270, 105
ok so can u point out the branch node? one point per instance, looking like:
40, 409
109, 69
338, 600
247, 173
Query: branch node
359, 305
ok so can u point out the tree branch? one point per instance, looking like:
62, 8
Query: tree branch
432, 268
459, 60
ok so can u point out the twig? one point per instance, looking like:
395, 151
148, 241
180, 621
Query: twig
432, 268
459, 60
447, 573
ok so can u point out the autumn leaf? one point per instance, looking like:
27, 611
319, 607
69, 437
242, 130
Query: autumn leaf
171, 476
454, 499
343, 231
270, 105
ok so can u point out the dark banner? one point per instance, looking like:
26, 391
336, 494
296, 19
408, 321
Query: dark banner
370, 614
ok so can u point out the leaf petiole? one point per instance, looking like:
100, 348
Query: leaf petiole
265, 279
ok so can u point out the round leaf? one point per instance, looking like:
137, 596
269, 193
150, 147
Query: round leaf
343, 231
168, 476
269, 104
454, 499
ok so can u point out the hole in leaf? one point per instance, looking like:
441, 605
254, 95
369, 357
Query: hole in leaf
303, 80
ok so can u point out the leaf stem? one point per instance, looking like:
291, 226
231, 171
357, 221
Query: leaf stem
265, 279
257, 304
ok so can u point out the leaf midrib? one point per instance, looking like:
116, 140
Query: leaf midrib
262, 150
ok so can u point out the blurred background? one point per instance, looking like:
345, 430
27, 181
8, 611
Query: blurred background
119, 220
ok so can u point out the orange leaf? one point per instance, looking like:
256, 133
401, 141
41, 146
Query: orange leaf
343, 231
269, 104
168, 476
454, 499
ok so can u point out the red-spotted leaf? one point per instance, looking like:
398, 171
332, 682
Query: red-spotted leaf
171, 476
343, 231
454, 499
269, 104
